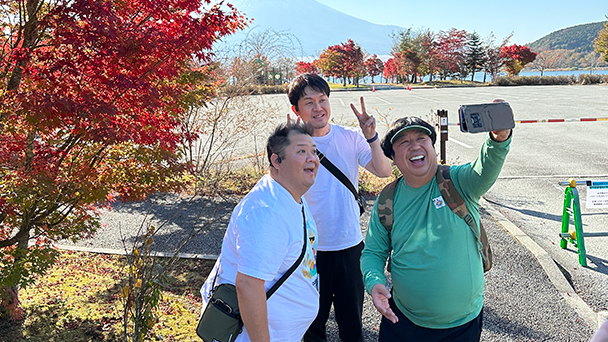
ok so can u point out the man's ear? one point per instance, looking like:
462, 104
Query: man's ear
275, 160
293, 109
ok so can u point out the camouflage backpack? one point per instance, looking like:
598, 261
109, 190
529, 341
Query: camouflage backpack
452, 199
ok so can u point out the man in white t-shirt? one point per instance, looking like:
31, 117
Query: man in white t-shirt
265, 238
334, 207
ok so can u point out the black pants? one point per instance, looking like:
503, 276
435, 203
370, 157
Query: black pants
404, 330
340, 283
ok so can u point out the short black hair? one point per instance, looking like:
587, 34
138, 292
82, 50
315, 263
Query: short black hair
296, 88
279, 139
399, 124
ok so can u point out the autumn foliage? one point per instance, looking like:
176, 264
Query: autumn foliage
306, 67
91, 98
516, 57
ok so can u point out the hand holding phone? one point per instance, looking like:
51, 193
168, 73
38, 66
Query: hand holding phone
486, 117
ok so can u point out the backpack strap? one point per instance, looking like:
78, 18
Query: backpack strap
385, 213
454, 200
451, 196
385, 205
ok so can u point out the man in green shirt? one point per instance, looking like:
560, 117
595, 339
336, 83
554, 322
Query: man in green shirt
437, 271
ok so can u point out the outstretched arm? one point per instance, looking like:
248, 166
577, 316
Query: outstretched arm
380, 164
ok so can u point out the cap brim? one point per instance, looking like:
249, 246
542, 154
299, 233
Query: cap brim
408, 128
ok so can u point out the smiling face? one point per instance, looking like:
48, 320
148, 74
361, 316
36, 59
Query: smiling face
313, 108
415, 156
298, 167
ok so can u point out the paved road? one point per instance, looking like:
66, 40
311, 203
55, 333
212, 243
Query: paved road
521, 301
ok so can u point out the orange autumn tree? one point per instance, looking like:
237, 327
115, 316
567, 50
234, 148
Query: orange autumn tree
90, 102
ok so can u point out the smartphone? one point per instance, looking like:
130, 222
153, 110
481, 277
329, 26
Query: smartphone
486, 117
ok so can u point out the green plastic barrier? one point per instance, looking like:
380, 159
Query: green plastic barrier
572, 208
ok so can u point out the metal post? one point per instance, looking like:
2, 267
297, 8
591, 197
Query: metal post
443, 130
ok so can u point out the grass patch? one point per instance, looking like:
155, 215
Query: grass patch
77, 300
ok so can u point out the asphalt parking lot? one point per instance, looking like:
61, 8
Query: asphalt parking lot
522, 301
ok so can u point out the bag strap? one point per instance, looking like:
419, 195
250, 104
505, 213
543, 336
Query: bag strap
448, 191
385, 205
338, 174
286, 274
293, 267
454, 200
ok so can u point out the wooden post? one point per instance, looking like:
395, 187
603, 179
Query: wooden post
443, 133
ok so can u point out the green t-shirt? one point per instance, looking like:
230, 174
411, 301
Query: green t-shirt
437, 272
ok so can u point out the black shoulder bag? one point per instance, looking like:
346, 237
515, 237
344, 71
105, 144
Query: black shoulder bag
221, 321
343, 179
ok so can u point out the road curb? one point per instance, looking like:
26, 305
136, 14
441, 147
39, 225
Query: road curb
556, 277
122, 252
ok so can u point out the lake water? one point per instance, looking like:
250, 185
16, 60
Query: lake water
479, 75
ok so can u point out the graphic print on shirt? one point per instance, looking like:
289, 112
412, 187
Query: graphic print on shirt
310, 259
439, 202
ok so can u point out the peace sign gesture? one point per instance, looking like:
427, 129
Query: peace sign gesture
366, 122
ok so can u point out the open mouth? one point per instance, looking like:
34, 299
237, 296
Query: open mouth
417, 160
309, 170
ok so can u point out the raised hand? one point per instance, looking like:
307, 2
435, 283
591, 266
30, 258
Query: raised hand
366, 122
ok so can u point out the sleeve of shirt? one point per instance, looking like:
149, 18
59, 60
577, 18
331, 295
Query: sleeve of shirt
476, 178
375, 253
261, 243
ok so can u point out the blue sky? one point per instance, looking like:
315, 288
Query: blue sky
527, 20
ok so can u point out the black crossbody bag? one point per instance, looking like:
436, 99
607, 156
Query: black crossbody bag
221, 321
343, 179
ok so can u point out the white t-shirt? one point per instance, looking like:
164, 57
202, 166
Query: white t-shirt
333, 206
263, 240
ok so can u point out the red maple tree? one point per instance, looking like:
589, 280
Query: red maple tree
515, 57
90, 111
374, 66
306, 67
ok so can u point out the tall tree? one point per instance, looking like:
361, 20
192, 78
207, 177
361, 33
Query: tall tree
268, 53
374, 66
492, 59
349, 61
515, 57
475, 54
329, 62
429, 54
543, 62
90, 112
390, 70
451, 45
601, 42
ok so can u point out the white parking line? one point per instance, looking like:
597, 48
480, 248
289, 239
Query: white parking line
342, 102
425, 98
383, 100
460, 143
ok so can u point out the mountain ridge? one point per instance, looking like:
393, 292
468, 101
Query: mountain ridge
578, 38
318, 26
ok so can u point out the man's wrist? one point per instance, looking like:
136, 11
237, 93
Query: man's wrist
369, 141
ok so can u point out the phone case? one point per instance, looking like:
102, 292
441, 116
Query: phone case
486, 117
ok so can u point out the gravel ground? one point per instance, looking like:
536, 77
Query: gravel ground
521, 304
